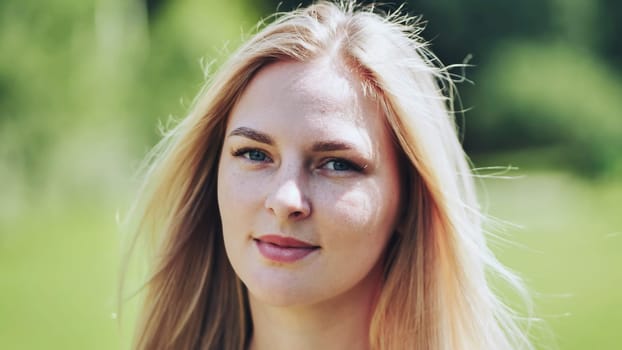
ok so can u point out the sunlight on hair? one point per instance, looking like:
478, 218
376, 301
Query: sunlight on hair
437, 292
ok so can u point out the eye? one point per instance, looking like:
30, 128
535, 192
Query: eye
341, 165
256, 155
252, 154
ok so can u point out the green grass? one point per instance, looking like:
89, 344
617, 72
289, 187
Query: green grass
58, 264
568, 251
58, 284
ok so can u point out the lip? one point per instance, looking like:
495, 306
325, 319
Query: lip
283, 249
285, 242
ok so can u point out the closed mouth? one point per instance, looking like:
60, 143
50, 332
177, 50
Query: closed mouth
282, 249
285, 242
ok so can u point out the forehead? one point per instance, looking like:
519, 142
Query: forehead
320, 91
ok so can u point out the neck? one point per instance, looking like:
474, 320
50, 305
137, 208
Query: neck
339, 323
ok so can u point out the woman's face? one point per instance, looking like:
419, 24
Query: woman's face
308, 184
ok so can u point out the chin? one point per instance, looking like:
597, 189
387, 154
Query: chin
279, 300
282, 292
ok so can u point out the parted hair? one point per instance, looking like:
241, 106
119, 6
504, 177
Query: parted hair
436, 293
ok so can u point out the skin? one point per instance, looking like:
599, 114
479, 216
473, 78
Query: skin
308, 156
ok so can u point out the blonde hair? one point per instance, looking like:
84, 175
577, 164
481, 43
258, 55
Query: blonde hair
436, 293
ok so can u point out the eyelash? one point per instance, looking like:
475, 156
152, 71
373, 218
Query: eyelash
244, 152
350, 165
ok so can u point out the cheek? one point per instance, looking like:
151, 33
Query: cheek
362, 213
361, 223
235, 192
233, 201
354, 209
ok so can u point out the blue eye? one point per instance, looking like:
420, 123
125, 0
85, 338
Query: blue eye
256, 155
341, 165
252, 154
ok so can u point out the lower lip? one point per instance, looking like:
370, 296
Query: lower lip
283, 254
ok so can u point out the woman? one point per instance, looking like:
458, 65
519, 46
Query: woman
317, 196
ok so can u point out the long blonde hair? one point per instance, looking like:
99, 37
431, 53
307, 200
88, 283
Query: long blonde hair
436, 293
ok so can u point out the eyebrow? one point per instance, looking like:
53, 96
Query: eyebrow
328, 146
320, 146
253, 135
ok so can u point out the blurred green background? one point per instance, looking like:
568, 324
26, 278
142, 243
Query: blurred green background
84, 85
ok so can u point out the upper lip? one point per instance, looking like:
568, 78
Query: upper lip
288, 242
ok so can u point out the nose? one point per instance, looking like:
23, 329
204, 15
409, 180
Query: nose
287, 201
